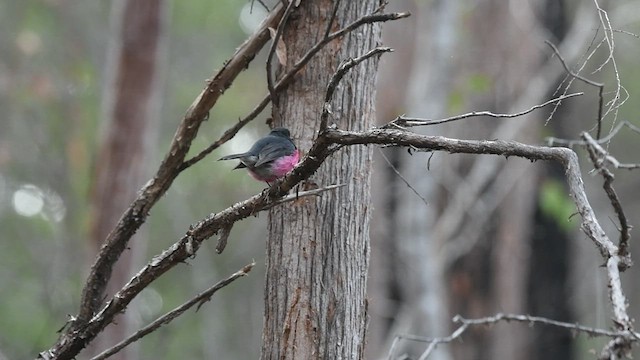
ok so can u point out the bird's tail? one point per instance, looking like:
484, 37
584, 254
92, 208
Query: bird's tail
232, 156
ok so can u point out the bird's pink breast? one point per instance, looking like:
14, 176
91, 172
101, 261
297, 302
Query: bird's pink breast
285, 164
277, 169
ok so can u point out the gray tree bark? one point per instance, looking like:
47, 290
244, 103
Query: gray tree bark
318, 247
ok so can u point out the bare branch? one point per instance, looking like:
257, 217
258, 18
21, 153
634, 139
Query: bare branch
598, 85
165, 319
261, 3
591, 331
342, 70
552, 141
225, 231
332, 19
466, 323
598, 156
496, 147
403, 121
614, 103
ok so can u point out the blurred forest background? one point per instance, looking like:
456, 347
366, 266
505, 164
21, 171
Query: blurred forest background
494, 235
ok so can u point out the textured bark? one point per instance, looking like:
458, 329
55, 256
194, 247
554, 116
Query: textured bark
318, 247
129, 99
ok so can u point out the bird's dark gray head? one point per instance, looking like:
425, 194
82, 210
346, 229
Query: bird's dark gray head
280, 131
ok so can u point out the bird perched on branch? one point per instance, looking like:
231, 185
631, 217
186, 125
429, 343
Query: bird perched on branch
270, 158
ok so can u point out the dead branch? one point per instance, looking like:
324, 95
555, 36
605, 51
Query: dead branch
564, 156
598, 156
165, 319
342, 70
274, 45
491, 320
403, 121
599, 86
552, 141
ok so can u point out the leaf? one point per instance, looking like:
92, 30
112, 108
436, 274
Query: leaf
556, 204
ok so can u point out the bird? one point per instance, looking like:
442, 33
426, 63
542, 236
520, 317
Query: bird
270, 158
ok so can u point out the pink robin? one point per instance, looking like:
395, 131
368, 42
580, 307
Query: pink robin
270, 158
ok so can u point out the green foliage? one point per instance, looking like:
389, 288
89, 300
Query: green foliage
475, 84
479, 83
556, 204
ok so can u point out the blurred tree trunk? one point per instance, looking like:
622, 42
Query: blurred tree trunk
384, 282
467, 252
420, 287
488, 255
549, 288
318, 247
130, 102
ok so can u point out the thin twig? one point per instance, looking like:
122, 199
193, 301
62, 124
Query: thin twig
404, 121
395, 170
614, 104
171, 315
552, 141
261, 3
334, 12
299, 194
598, 85
566, 67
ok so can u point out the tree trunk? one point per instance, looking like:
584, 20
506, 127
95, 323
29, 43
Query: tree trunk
384, 284
130, 101
318, 247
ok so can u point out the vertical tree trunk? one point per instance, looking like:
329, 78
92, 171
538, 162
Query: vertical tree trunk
128, 104
419, 263
318, 247
384, 283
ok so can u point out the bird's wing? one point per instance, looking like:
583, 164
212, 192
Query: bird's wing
273, 151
